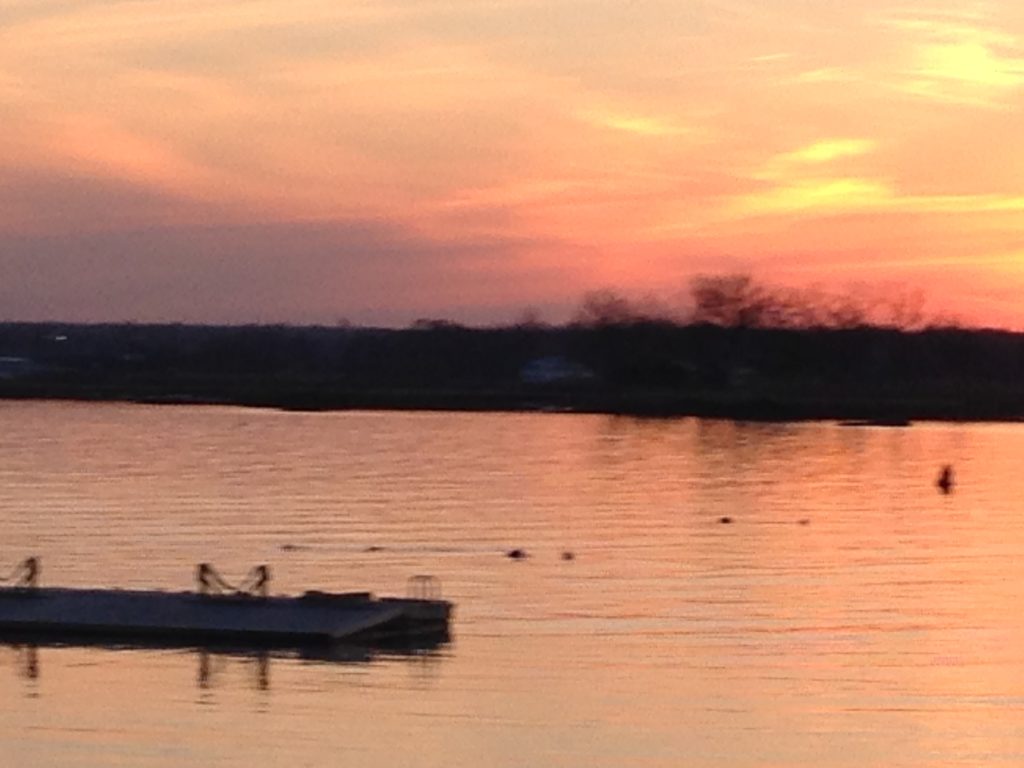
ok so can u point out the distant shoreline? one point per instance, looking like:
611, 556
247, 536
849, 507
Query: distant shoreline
860, 375
847, 411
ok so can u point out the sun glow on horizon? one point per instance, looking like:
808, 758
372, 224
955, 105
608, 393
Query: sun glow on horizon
565, 148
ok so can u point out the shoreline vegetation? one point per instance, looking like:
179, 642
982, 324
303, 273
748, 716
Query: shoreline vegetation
739, 351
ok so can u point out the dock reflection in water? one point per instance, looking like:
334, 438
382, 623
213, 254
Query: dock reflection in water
212, 662
26, 660
211, 659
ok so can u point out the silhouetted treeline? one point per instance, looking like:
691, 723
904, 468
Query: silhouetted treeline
639, 367
613, 358
739, 301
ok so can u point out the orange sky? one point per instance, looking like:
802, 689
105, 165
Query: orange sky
308, 160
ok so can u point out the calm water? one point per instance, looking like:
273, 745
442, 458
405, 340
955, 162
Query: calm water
885, 630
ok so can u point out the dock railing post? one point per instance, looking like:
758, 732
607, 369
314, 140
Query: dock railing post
423, 587
25, 574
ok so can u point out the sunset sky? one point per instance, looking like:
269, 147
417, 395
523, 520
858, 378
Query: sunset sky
312, 160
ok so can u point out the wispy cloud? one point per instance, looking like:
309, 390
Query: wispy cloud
825, 195
827, 75
807, 179
639, 125
859, 196
959, 59
826, 150
831, 176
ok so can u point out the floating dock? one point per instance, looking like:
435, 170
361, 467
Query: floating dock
194, 617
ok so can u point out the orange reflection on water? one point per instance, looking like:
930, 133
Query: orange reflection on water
849, 615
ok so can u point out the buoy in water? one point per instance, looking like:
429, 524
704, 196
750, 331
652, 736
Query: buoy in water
945, 481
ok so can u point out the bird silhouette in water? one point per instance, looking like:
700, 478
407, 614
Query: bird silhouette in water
945, 481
